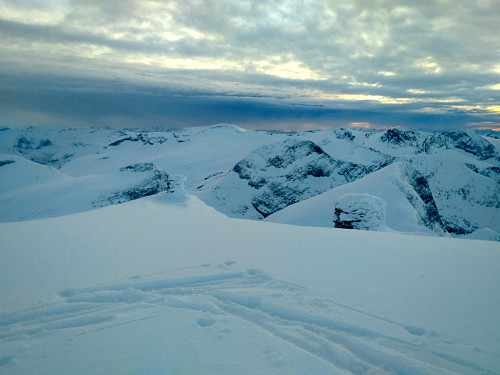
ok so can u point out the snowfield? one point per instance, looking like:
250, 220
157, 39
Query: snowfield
167, 284
158, 286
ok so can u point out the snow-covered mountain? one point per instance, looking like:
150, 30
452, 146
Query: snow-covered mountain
31, 190
444, 183
275, 176
414, 203
125, 270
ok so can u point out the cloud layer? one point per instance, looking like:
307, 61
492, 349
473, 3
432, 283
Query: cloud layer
283, 64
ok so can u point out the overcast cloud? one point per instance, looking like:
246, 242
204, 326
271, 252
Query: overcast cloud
288, 64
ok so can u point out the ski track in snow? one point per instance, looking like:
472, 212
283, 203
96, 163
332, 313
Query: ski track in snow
286, 311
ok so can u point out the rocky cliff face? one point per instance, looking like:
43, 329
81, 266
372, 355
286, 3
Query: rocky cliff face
420, 142
405, 138
467, 141
278, 175
449, 195
415, 185
155, 181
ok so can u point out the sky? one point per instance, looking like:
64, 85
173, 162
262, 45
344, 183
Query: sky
274, 64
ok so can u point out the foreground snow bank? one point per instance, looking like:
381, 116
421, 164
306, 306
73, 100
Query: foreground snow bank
165, 285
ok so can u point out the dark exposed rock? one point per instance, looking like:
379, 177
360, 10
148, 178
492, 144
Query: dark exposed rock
290, 171
181, 138
341, 224
278, 197
388, 160
421, 186
293, 151
467, 141
139, 167
437, 216
24, 144
456, 229
257, 183
44, 143
145, 139
419, 195
352, 171
494, 135
6, 162
472, 167
243, 169
400, 137
157, 183
490, 172
344, 134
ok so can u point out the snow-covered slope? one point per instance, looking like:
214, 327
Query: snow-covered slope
30, 190
196, 153
166, 285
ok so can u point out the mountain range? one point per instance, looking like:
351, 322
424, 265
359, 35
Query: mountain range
443, 183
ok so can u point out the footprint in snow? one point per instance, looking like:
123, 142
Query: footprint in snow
205, 322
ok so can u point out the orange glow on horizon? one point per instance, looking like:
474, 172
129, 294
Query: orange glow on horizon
364, 125
368, 125
313, 126
485, 125
486, 128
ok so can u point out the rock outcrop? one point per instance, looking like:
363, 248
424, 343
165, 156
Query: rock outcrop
359, 211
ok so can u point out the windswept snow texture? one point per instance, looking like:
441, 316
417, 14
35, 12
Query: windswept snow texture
445, 183
167, 285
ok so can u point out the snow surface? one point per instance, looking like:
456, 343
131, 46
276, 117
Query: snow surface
168, 285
